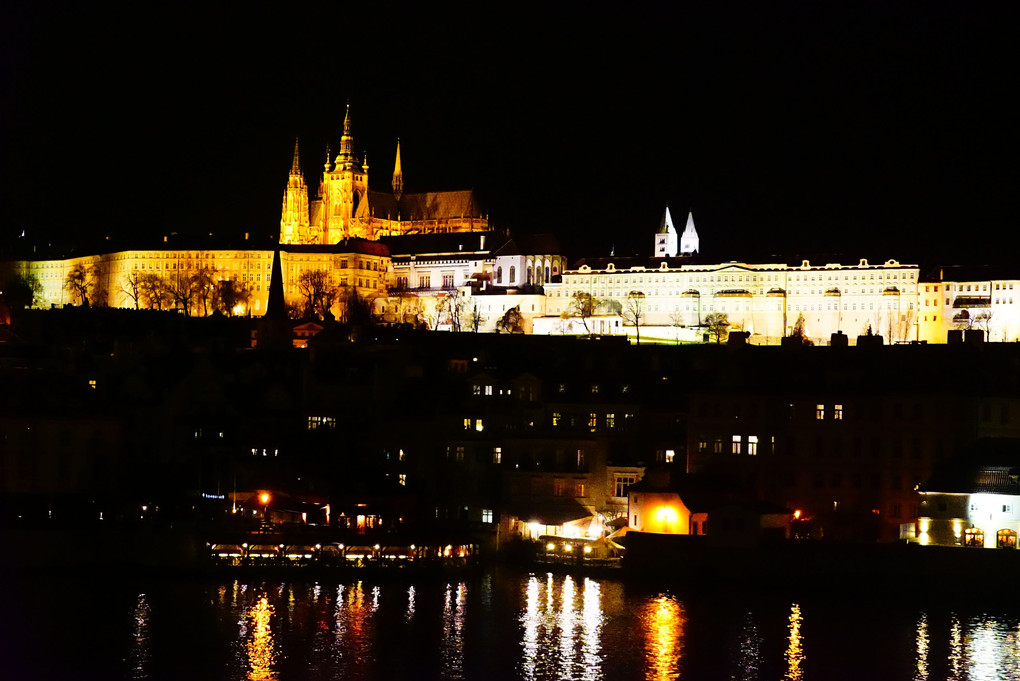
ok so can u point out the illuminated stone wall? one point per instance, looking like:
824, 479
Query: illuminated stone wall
763, 299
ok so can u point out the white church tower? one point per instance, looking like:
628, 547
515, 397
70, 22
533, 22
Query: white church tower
689, 239
665, 237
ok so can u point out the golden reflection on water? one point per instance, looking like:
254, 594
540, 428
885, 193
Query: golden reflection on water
260, 648
795, 648
562, 630
921, 672
664, 621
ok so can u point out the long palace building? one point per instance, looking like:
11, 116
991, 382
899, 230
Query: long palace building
420, 251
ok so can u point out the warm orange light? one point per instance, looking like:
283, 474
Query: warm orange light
796, 514
264, 498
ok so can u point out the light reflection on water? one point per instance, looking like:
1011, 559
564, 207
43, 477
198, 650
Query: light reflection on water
663, 623
543, 626
261, 656
795, 648
140, 650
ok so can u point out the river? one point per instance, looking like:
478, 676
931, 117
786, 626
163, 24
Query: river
499, 624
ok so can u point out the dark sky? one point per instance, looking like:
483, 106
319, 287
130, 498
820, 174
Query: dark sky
877, 131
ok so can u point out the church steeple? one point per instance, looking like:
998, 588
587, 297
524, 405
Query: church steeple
398, 176
295, 165
294, 215
689, 242
345, 159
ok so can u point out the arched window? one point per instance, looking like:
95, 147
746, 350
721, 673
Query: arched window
972, 536
1005, 539
547, 273
499, 275
529, 275
513, 274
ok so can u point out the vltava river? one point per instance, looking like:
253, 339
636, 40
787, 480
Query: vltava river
498, 625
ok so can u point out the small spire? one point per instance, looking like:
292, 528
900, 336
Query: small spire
295, 166
398, 176
329, 165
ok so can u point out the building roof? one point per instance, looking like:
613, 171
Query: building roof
444, 243
990, 466
424, 206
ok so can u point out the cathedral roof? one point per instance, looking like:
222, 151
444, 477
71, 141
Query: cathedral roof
425, 206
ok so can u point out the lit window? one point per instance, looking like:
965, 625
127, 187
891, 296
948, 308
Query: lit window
558, 487
488, 390
403, 478
486, 515
837, 412
752, 445
623, 482
459, 453
478, 426
579, 489
556, 418
580, 459
476, 390
467, 424
92, 384
593, 421
736, 444
497, 455
610, 421
670, 455
820, 411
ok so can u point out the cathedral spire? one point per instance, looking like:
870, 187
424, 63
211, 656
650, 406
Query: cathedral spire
398, 176
345, 159
295, 166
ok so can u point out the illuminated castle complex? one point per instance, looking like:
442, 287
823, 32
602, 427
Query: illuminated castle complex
432, 259
346, 207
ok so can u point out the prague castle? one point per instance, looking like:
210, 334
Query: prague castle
432, 259
346, 207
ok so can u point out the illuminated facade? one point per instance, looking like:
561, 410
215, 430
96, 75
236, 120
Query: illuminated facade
356, 263
346, 207
957, 298
975, 506
674, 297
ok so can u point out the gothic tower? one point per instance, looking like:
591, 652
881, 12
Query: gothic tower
398, 176
294, 219
343, 190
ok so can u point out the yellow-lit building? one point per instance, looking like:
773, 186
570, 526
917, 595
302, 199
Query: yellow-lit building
346, 207
356, 263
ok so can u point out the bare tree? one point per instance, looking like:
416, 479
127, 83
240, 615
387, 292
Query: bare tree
718, 325
319, 292
676, 320
634, 312
132, 287
475, 318
154, 291
583, 305
450, 310
83, 283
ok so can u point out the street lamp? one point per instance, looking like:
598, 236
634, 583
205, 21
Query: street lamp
264, 498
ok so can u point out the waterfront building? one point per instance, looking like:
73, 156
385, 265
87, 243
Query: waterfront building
973, 500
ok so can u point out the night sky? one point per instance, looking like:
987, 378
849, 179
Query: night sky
789, 129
